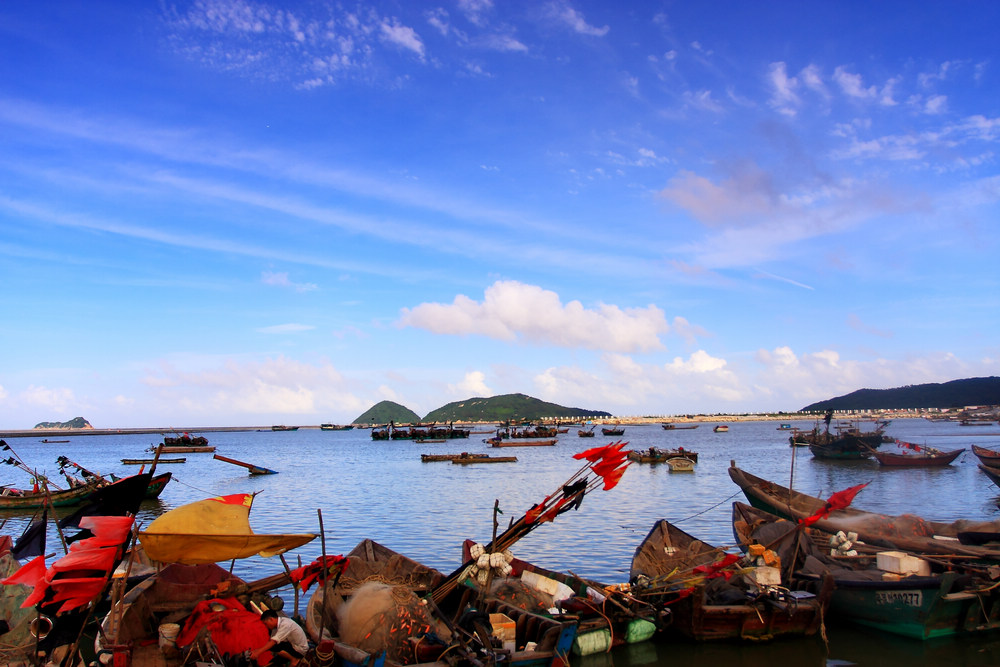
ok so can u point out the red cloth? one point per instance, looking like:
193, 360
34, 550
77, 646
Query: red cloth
233, 629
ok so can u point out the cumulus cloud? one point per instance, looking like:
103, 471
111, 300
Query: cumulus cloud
512, 311
472, 384
59, 400
270, 387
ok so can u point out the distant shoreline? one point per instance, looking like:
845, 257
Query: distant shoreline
786, 417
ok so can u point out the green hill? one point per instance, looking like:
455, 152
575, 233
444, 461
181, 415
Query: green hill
508, 406
385, 412
77, 422
954, 394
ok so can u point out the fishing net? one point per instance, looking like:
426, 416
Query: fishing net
380, 617
516, 593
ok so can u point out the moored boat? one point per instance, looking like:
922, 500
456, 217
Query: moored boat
721, 428
887, 590
681, 464
923, 456
607, 616
616, 430
671, 426
394, 590
657, 455
158, 461
185, 449
517, 442
708, 596
336, 427
992, 473
23, 499
906, 532
987, 456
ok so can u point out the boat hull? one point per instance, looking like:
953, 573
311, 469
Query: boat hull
916, 607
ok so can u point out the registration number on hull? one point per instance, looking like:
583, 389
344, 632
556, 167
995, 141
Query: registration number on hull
907, 598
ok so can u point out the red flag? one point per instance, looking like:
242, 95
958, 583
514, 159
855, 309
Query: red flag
717, 569
838, 501
608, 465
532, 515
30, 574
612, 478
108, 528
550, 514
87, 559
592, 454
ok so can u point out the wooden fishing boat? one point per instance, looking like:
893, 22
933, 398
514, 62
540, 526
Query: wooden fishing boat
586, 433
372, 563
336, 427
497, 442
157, 461
681, 464
282, 427
430, 458
721, 428
20, 499
906, 532
185, 440
46, 440
251, 468
607, 616
467, 458
657, 455
992, 473
617, 430
130, 633
676, 571
847, 441
988, 457
670, 426
942, 601
926, 457
157, 484
185, 449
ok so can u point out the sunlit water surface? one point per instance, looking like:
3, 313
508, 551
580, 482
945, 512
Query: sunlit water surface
382, 490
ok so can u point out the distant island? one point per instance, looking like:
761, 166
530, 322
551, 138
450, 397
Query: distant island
957, 394
495, 409
77, 422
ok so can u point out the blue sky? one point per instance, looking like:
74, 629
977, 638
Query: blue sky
242, 213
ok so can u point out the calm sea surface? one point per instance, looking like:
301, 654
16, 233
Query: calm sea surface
382, 491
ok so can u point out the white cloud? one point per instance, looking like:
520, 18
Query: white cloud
473, 384
58, 401
403, 36
512, 311
475, 10
851, 85
783, 97
563, 13
936, 105
280, 279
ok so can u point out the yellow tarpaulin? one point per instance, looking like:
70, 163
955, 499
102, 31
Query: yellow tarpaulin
211, 531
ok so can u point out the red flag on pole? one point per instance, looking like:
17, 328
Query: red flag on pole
838, 501
612, 478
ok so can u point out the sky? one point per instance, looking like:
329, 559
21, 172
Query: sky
242, 212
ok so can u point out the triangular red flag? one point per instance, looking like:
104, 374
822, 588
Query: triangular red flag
611, 479
108, 528
592, 454
838, 501
29, 574
609, 464
88, 559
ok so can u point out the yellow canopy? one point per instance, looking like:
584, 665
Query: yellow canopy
212, 530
